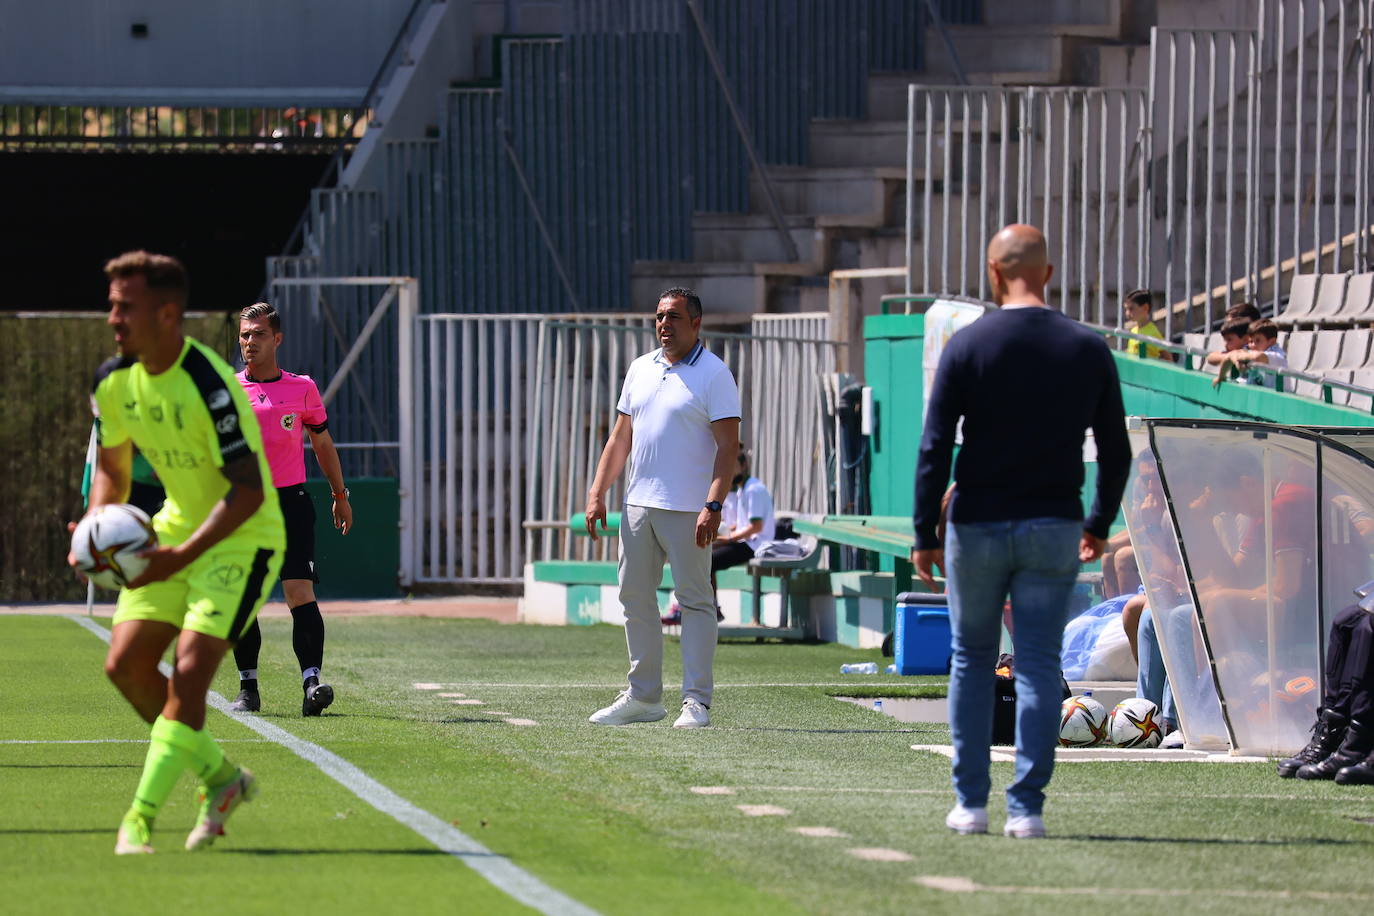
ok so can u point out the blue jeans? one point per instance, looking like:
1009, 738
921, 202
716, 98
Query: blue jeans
1152, 682
1035, 562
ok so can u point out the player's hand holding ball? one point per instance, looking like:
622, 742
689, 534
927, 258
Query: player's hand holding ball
112, 545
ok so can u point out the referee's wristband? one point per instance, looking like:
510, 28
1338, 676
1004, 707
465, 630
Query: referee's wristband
342, 494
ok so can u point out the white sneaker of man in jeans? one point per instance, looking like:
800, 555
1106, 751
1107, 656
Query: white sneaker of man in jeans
1027, 383
678, 430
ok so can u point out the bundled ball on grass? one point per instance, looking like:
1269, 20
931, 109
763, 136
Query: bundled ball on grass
1082, 722
1135, 723
106, 544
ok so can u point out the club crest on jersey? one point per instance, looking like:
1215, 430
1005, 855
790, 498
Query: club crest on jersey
288, 421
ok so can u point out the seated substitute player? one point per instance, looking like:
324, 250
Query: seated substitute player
220, 535
284, 402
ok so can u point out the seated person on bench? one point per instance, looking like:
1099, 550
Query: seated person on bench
746, 525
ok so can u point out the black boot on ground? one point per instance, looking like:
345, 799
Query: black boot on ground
1355, 747
1360, 774
1327, 733
317, 697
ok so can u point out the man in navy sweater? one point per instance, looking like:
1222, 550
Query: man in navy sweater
1027, 382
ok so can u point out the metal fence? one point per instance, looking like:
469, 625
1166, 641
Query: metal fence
1071, 160
512, 412
1247, 160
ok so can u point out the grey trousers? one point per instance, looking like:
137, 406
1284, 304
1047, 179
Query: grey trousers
648, 537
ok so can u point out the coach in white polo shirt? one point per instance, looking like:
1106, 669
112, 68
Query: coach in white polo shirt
678, 428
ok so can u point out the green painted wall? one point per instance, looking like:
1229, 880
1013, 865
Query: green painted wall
893, 347
363, 563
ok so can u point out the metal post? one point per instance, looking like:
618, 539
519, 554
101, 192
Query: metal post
774, 210
407, 367
911, 185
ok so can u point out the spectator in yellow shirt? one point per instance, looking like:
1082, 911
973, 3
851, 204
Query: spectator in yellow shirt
1137, 306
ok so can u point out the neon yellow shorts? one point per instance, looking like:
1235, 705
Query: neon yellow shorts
218, 595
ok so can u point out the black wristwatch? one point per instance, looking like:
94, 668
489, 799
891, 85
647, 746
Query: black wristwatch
713, 505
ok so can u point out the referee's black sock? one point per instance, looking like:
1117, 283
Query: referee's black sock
307, 635
246, 652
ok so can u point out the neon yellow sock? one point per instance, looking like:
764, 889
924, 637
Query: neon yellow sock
213, 768
171, 749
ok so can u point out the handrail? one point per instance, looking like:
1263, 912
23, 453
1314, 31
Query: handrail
335, 164
1327, 385
774, 210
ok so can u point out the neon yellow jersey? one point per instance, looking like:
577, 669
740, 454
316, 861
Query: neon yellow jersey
1148, 329
188, 421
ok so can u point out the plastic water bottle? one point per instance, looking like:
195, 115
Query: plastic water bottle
890, 669
877, 705
860, 668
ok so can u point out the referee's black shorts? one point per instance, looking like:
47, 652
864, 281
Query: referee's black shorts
299, 512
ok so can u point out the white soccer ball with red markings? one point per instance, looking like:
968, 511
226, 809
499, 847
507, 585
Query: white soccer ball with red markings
1082, 722
1135, 723
107, 542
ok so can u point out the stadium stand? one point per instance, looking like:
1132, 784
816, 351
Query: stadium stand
1302, 296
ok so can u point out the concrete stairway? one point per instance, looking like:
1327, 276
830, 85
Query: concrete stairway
846, 207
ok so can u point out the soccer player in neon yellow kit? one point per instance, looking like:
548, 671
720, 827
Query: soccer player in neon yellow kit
221, 536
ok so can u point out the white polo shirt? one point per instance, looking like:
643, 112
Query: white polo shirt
752, 500
671, 407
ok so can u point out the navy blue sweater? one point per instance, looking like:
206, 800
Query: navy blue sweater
1028, 383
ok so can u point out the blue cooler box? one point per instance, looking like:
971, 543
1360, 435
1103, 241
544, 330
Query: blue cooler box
921, 641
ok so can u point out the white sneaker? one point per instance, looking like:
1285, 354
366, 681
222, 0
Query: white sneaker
965, 821
694, 715
627, 710
1173, 740
1025, 827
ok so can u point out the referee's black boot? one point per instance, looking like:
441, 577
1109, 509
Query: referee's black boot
1327, 733
317, 697
248, 699
1355, 747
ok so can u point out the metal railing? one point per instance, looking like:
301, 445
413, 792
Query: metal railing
1194, 358
1074, 161
165, 128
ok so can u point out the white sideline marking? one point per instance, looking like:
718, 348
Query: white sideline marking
118, 741
450, 695
713, 790
499, 870
496, 712
878, 790
763, 810
520, 721
426, 686
468, 703
879, 854
1100, 754
820, 832
961, 885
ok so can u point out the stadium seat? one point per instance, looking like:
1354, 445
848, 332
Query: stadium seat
1300, 345
1354, 348
1326, 351
1365, 379
1302, 296
1330, 297
1359, 299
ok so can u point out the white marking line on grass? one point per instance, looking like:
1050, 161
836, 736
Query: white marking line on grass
450, 696
821, 832
520, 721
1109, 754
961, 885
427, 686
880, 854
713, 790
879, 790
468, 703
621, 685
763, 811
499, 870
496, 712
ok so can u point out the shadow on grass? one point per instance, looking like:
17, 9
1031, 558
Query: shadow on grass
485, 720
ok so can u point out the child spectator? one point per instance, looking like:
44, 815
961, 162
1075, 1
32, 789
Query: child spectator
1136, 306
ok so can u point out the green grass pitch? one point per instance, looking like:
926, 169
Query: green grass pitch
607, 816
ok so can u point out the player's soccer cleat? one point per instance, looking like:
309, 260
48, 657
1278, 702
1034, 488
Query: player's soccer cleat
1327, 733
317, 697
626, 710
135, 835
693, 715
966, 821
1025, 827
246, 701
217, 804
